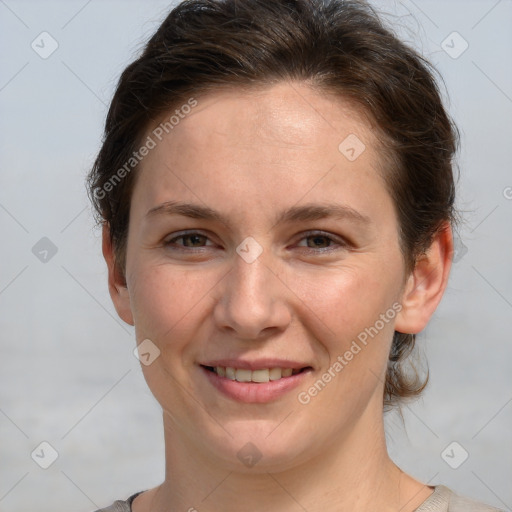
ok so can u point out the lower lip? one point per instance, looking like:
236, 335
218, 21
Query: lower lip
255, 392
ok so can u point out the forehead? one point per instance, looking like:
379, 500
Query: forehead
286, 138
286, 115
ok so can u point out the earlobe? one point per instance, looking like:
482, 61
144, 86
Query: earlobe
116, 281
426, 284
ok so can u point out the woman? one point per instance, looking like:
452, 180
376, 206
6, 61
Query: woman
276, 193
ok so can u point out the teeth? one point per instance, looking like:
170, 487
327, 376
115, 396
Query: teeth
275, 373
263, 375
243, 375
260, 375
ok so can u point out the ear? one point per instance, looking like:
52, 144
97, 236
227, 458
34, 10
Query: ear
116, 282
426, 284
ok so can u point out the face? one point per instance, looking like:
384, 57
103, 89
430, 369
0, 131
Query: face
255, 244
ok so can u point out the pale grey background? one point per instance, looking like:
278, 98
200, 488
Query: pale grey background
68, 375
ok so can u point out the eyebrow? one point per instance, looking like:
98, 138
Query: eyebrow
308, 212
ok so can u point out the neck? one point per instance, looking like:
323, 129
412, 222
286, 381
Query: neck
354, 473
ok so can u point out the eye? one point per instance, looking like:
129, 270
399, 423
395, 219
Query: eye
191, 240
321, 241
318, 241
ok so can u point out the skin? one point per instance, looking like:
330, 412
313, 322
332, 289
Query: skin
250, 155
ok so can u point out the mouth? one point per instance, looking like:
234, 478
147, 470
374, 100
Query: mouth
259, 376
261, 380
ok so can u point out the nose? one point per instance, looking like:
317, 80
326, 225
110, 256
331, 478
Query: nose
253, 301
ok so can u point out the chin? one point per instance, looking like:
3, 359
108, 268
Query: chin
259, 446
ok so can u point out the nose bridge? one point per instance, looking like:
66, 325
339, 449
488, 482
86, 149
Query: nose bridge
252, 298
252, 280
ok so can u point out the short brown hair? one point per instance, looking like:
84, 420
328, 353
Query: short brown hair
336, 46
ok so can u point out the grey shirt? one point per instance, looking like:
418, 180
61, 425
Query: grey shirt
442, 499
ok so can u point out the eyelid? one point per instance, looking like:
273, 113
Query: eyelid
168, 240
340, 241
343, 242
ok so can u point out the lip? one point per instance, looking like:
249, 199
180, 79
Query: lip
259, 364
255, 392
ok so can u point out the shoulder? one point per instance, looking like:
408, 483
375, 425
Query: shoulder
120, 506
117, 506
444, 499
463, 504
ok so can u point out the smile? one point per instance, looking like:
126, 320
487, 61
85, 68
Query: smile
259, 385
258, 376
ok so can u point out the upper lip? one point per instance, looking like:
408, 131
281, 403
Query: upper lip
258, 364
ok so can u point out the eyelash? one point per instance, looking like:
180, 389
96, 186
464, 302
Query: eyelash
342, 244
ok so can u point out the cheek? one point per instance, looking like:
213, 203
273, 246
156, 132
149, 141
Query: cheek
166, 302
169, 305
345, 302
345, 318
